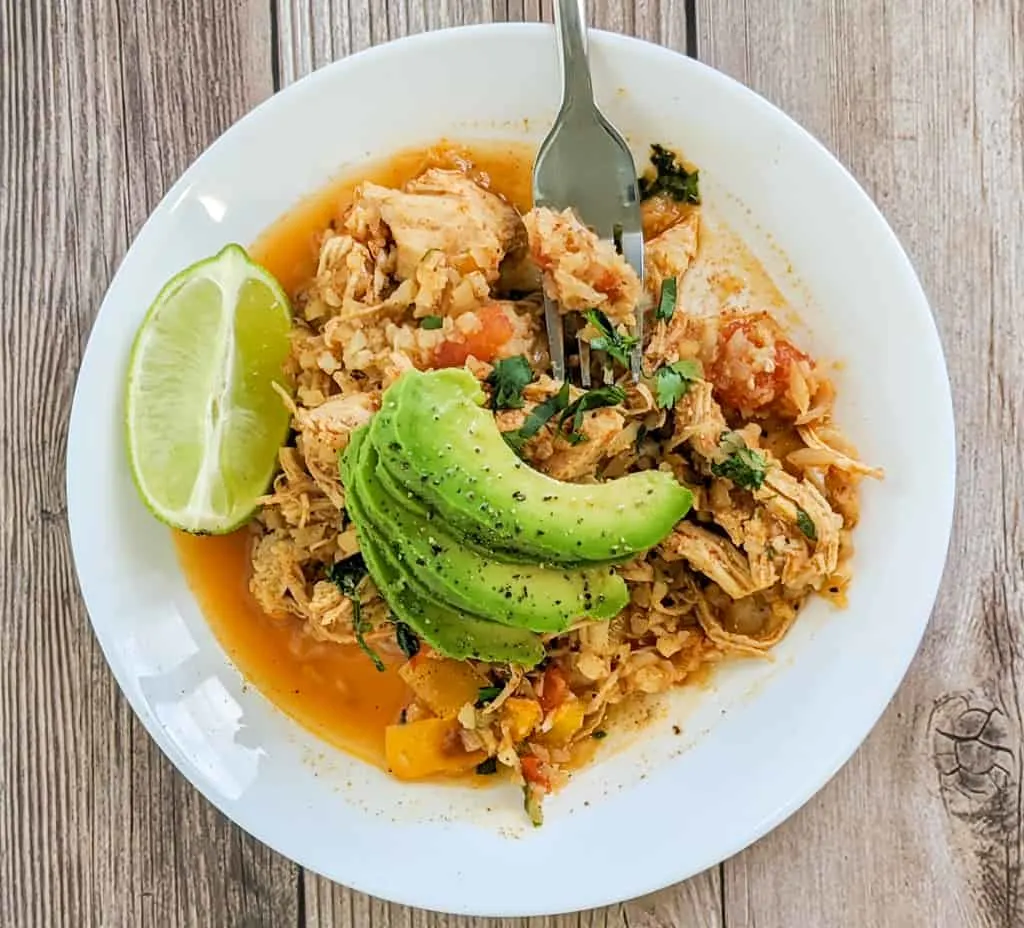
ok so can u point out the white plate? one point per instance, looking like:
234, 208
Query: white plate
765, 736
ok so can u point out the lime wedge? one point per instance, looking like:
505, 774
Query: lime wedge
204, 421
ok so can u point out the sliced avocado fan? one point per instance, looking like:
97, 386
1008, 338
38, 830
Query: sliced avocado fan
455, 634
542, 599
471, 548
437, 441
451, 632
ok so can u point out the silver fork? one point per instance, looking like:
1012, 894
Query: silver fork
584, 163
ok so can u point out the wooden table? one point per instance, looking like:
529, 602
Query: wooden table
104, 102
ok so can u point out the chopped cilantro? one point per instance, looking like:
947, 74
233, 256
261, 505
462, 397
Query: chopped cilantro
487, 694
806, 524
508, 378
407, 640
615, 344
597, 398
487, 767
348, 575
673, 380
431, 322
742, 465
537, 419
667, 302
670, 178
532, 804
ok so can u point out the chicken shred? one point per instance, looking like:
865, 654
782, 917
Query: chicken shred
581, 271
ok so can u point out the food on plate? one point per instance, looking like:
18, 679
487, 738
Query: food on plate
503, 565
204, 418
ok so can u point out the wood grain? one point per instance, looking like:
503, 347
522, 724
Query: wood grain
923, 101
104, 102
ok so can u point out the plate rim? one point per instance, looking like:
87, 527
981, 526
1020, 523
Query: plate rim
870, 712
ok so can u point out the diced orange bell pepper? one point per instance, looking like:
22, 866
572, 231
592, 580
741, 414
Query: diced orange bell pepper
566, 720
521, 716
428, 747
444, 685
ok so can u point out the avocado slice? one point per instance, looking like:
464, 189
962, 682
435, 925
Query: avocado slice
542, 599
435, 438
453, 634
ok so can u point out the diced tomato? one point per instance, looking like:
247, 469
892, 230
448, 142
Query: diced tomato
532, 772
555, 691
751, 369
483, 344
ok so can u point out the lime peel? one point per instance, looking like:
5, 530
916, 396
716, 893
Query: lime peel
204, 418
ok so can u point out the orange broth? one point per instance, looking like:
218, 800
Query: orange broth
332, 690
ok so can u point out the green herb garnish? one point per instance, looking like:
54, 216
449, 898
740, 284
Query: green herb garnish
539, 416
599, 734
609, 340
667, 301
806, 524
670, 178
532, 805
597, 398
487, 694
407, 639
431, 322
743, 466
673, 380
348, 575
508, 378
487, 767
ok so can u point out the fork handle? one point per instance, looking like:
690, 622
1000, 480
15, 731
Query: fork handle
571, 33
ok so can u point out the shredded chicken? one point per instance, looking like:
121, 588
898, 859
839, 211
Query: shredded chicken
580, 270
715, 557
670, 254
770, 619
820, 454
324, 432
786, 498
730, 578
449, 212
570, 462
699, 420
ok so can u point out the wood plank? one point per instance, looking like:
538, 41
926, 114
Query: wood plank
312, 33
102, 105
923, 101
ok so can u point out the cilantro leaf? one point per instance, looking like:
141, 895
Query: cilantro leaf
667, 301
597, 398
407, 639
670, 178
806, 524
615, 344
508, 378
487, 694
431, 322
672, 381
537, 419
743, 466
348, 575
487, 767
